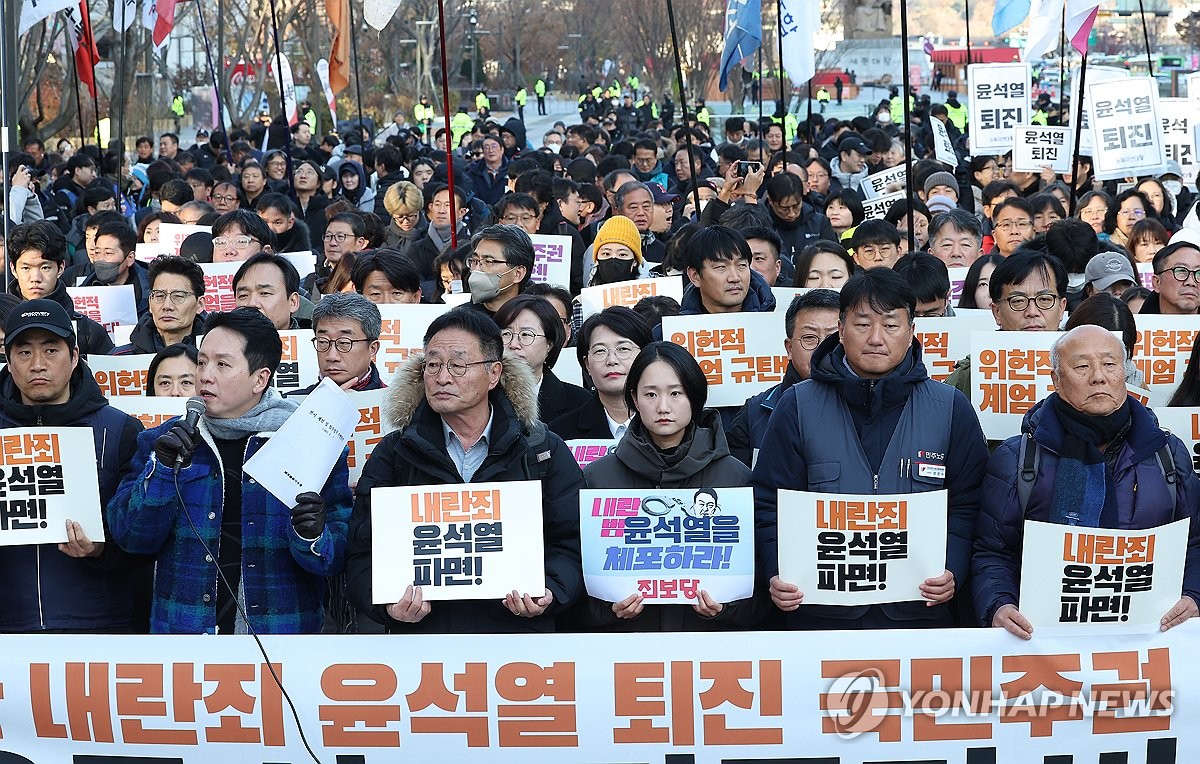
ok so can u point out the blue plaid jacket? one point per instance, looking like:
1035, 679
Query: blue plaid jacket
283, 575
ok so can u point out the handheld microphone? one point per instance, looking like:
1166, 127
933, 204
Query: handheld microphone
195, 409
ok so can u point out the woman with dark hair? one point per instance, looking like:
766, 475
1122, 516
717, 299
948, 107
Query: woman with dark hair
824, 264
983, 169
1108, 312
975, 292
608, 343
1160, 202
844, 210
1092, 208
532, 330
450, 272
1128, 208
172, 373
1047, 210
1135, 297
897, 215
1147, 236
673, 442
148, 226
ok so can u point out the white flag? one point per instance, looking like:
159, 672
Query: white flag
124, 14
1045, 28
33, 11
284, 80
378, 13
800, 19
323, 74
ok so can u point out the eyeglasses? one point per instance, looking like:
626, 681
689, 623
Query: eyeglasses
343, 344
1137, 213
456, 368
158, 296
1011, 225
1043, 301
223, 198
336, 237
1181, 274
808, 341
788, 209
475, 263
525, 336
237, 242
518, 219
411, 217
622, 352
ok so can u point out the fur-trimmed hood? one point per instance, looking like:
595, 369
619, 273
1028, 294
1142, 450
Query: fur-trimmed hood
406, 391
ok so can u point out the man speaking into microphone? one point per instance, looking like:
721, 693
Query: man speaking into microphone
229, 554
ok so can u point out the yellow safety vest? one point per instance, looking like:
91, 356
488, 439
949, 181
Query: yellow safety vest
957, 116
460, 125
482, 102
702, 115
521, 97
539, 88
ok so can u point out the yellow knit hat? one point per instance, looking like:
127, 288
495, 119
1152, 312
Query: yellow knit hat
619, 230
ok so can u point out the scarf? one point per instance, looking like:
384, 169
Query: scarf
268, 415
1082, 491
440, 235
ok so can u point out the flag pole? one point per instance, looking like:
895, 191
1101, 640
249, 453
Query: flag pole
287, 133
357, 73
95, 89
78, 97
687, 131
1078, 133
967, 20
779, 36
121, 77
1146, 36
212, 72
1062, 68
446, 116
909, 143
760, 93
9, 16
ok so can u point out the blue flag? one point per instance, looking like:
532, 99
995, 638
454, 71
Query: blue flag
743, 34
1008, 14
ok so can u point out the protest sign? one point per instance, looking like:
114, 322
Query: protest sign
1184, 423
1076, 575
1127, 136
1146, 275
740, 353
943, 147
1038, 145
171, 235
150, 410
403, 333
1163, 347
146, 252
1179, 121
218, 286
121, 334
877, 208
298, 366
321, 427
551, 259
946, 341
999, 97
588, 451
1094, 74
457, 542
627, 293
884, 182
119, 375
372, 426
668, 545
1010, 372
305, 262
845, 549
785, 295
958, 275
567, 368
108, 306
47, 475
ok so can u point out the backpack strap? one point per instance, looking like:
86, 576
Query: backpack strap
538, 451
1028, 458
1166, 463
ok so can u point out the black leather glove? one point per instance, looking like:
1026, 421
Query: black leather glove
308, 516
179, 442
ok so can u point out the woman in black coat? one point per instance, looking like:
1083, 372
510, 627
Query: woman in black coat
532, 330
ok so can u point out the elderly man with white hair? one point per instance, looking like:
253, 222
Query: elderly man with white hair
1096, 458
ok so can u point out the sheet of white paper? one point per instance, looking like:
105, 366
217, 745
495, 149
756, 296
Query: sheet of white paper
57, 471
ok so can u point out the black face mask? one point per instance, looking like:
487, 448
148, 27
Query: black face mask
614, 269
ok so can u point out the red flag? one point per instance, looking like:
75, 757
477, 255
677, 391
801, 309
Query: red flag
79, 29
338, 12
159, 17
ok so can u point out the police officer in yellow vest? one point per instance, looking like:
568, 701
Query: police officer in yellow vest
519, 99
822, 97
483, 104
790, 126
956, 111
423, 115
460, 124
896, 107
177, 109
702, 114
1041, 110
539, 90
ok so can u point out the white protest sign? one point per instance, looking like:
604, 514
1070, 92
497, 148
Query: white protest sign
1179, 120
1094, 74
298, 367
300, 455
958, 275
845, 549
885, 181
171, 235
1146, 275
668, 545
999, 100
551, 259
785, 295
119, 375
943, 147
567, 368
945, 341
1184, 423
1127, 137
741, 354
218, 286
876, 209
402, 333
1037, 145
627, 293
145, 252
1193, 88
372, 426
1163, 347
47, 475
109, 306
454, 299
121, 334
1076, 575
305, 262
457, 542
1010, 372
587, 451
151, 410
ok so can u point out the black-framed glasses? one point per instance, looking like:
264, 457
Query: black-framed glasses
343, 344
456, 368
475, 263
1181, 273
525, 336
158, 296
1043, 301
336, 237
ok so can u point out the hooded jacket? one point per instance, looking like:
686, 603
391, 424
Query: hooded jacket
702, 460
517, 128
1143, 499
362, 197
868, 413
799, 233
759, 298
91, 337
488, 186
46, 589
415, 454
847, 180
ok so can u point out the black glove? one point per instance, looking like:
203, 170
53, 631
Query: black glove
178, 443
308, 516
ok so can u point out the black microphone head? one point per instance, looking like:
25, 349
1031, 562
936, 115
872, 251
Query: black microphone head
196, 407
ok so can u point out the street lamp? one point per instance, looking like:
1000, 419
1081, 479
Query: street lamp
473, 21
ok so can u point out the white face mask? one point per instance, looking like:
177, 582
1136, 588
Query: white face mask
883, 117
1174, 186
554, 147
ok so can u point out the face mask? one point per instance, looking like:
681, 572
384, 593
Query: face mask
1174, 186
883, 117
554, 147
485, 286
614, 269
106, 272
